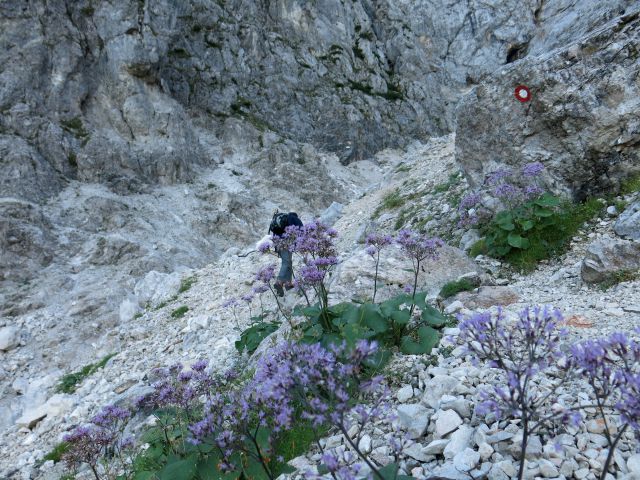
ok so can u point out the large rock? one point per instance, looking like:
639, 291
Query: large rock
9, 338
157, 287
605, 258
53, 407
582, 119
486, 297
414, 418
354, 277
628, 223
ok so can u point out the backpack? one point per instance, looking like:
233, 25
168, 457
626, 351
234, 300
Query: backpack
282, 220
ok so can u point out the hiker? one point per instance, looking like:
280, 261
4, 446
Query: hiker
279, 222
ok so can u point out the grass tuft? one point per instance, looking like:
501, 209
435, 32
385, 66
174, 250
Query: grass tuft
180, 311
70, 382
186, 284
619, 277
451, 288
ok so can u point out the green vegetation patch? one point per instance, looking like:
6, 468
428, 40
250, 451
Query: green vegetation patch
56, 453
554, 240
180, 311
187, 283
70, 382
451, 288
619, 277
630, 186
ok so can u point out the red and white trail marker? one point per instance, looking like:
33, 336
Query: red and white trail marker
522, 93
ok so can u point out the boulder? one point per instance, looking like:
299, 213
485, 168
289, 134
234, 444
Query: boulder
447, 422
459, 441
53, 407
354, 277
486, 297
414, 418
9, 338
606, 258
157, 287
628, 223
331, 214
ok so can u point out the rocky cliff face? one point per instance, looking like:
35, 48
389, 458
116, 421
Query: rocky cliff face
152, 135
582, 68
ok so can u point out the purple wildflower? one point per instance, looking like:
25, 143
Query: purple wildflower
532, 169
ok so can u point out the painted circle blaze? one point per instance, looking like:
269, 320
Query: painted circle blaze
522, 93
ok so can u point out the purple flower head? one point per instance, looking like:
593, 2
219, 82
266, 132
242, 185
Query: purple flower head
248, 297
260, 289
378, 241
533, 191
371, 250
498, 176
532, 169
264, 247
311, 275
470, 201
199, 366
231, 302
506, 191
110, 416
266, 273
417, 246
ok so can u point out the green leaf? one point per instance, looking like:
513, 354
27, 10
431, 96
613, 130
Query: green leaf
388, 472
401, 317
144, 476
393, 304
542, 212
180, 470
517, 241
347, 313
378, 360
429, 338
432, 317
526, 224
547, 200
372, 318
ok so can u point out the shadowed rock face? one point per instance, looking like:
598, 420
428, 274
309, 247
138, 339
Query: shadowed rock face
582, 120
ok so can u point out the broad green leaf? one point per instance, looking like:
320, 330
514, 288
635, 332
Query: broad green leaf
378, 360
527, 224
180, 469
393, 304
432, 317
429, 338
517, 241
401, 317
145, 476
542, 212
547, 200
372, 318
389, 472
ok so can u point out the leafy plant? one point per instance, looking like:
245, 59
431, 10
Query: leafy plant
69, 382
180, 311
390, 323
253, 336
515, 228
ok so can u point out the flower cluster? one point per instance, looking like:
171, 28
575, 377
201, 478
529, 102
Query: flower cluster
291, 381
524, 350
418, 247
178, 387
89, 443
502, 185
376, 242
529, 349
